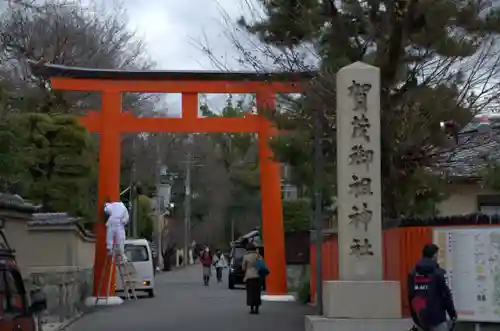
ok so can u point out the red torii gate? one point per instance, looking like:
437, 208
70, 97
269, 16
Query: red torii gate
111, 122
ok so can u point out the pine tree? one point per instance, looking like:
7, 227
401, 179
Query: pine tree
55, 156
438, 61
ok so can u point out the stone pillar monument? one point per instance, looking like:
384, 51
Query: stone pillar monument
360, 299
358, 173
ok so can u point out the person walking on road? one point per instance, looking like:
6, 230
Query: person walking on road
429, 295
219, 264
206, 262
252, 278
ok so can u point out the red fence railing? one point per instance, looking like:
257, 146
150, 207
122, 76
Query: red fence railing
402, 247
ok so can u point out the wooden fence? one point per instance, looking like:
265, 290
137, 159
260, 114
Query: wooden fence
402, 247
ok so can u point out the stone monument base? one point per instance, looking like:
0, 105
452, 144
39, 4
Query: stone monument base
320, 323
278, 298
362, 299
360, 306
103, 301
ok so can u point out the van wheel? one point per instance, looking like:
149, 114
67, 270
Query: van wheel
151, 293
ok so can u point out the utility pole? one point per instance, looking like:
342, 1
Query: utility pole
187, 201
158, 214
130, 229
318, 213
133, 198
232, 228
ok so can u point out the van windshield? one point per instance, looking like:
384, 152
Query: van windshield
137, 253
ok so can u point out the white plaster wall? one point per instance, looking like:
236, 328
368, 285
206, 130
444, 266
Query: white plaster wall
462, 199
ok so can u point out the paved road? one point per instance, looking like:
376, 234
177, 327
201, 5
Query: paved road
182, 303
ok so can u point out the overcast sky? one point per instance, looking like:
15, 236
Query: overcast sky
172, 28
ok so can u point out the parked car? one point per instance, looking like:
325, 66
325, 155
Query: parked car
17, 308
236, 273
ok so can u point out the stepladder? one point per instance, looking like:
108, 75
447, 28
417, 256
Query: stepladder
126, 272
128, 276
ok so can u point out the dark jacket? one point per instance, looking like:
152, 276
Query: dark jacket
438, 295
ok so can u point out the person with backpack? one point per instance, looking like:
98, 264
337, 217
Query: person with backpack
255, 269
219, 264
429, 296
206, 262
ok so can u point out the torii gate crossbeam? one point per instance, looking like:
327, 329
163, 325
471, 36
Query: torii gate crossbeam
111, 122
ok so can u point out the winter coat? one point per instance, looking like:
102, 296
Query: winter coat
219, 261
206, 259
117, 214
428, 280
249, 261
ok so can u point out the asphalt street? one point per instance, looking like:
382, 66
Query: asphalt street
182, 303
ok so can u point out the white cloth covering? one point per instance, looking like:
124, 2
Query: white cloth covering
118, 217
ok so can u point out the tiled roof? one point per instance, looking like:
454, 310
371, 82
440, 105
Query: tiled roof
472, 154
52, 219
57, 219
456, 220
15, 202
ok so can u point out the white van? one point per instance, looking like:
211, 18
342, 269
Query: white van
139, 253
